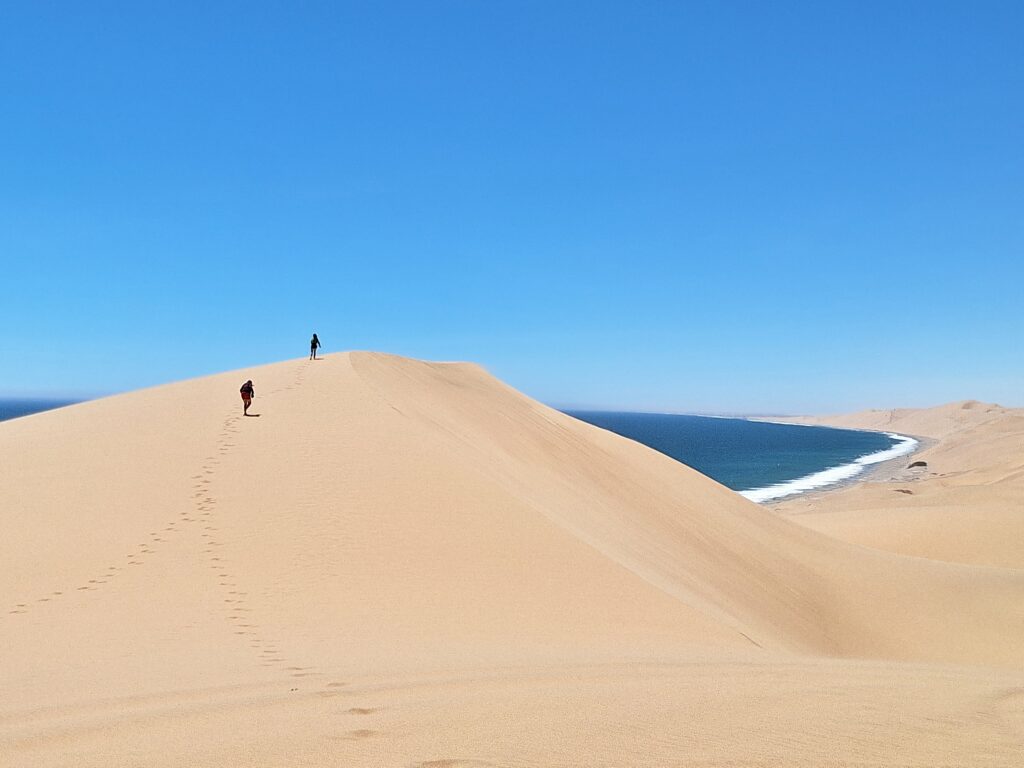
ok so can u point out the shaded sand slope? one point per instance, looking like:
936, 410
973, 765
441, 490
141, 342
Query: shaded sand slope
964, 507
405, 563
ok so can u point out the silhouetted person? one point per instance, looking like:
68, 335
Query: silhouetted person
314, 344
248, 393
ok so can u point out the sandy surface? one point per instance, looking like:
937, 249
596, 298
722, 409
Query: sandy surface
409, 564
964, 506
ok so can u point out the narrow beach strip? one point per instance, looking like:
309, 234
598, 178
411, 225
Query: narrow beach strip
832, 475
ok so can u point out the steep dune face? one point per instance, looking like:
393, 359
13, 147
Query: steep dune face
386, 524
696, 540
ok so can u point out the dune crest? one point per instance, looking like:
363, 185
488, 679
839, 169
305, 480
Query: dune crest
394, 547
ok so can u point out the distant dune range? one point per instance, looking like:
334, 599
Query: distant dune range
402, 563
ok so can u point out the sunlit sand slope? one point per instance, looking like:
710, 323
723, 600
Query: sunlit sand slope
406, 563
964, 506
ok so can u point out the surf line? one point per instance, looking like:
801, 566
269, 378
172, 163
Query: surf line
832, 475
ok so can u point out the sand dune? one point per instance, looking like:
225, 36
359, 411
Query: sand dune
964, 507
938, 422
407, 563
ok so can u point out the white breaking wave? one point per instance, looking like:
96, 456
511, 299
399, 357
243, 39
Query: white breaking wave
832, 475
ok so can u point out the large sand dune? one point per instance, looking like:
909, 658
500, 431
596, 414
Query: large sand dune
411, 564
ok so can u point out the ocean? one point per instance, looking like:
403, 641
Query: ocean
13, 408
762, 460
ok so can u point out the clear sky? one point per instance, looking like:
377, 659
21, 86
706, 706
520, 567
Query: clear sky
713, 207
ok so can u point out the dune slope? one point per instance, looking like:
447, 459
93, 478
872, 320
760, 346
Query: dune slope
408, 563
964, 506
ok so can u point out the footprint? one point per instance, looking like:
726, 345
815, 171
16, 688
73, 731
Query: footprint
361, 710
362, 733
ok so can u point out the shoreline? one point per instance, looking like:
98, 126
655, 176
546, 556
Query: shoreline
892, 469
866, 467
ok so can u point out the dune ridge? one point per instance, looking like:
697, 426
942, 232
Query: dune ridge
937, 422
411, 563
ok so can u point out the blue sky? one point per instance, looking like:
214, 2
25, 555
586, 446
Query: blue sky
715, 207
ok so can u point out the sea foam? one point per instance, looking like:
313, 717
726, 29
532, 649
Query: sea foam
832, 475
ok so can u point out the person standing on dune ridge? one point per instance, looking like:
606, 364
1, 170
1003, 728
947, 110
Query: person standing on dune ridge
248, 393
314, 344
